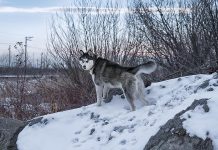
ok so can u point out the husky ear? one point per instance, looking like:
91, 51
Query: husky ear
90, 53
81, 52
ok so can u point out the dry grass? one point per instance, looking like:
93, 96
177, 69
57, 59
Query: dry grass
25, 99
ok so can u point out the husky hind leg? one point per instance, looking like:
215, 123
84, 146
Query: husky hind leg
129, 90
140, 91
130, 99
142, 98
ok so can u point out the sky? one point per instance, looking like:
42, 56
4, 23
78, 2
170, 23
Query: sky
21, 18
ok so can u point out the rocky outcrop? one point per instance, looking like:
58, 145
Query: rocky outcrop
172, 135
9, 129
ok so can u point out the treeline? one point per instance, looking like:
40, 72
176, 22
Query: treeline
27, 71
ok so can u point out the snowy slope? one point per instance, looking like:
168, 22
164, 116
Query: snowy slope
113, 127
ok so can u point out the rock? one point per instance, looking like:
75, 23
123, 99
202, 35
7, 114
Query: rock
179, 79
92, 131
203, 85
111, 93
210, 89
215, 76
9, 130
172, 135
35, 121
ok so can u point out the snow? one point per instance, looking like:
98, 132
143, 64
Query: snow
113, 127
204, 124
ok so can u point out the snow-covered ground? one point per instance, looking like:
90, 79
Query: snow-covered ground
113, 127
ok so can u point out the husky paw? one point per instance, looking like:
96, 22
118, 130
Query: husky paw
152, 102
126, 107
98, 104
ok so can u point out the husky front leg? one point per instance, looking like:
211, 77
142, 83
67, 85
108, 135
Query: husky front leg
105, 92
99, 92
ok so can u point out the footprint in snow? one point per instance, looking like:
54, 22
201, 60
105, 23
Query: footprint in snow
133, 141
152, 123
77, 132
162, 86
105, 123
123, 142
126, 108
83, 114
92, 131
210, 89
98, 139
131, 119
150, 113
75, 140
148, 91
179, 79
94, 116
110, 137
131, 130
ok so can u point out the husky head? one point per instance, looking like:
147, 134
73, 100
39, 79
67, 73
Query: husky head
87, 59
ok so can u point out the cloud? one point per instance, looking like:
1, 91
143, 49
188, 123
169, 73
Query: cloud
76, 10
29, 10
91, 10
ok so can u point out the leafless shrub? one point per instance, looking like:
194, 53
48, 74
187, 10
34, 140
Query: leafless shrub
62, 94
103, 31
178, 34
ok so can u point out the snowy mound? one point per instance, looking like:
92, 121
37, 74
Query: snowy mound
113, 127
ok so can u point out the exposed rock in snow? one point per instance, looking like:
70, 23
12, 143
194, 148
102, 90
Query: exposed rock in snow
172, 135
9, 127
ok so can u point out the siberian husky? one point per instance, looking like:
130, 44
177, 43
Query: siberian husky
107, 74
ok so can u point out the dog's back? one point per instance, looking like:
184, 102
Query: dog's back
110, 72
107, 72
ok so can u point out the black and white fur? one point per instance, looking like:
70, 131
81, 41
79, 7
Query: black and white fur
107, 74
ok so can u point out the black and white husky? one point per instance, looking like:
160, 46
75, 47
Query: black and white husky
107, 74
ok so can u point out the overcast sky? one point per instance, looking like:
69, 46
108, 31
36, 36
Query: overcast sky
20, 18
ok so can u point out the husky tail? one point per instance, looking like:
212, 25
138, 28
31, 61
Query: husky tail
146, 68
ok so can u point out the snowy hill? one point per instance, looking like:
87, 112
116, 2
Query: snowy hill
113, 127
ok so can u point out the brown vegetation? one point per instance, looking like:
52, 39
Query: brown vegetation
182, 36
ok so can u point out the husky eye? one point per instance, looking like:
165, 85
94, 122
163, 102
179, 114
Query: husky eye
87, 61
